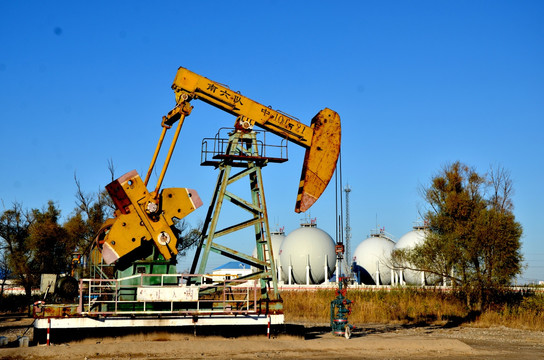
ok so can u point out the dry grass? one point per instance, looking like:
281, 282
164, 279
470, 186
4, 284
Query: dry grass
410, 306
526, 314
528, 320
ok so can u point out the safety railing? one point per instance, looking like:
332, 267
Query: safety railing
214, 150
167, 294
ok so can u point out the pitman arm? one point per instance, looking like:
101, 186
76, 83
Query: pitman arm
321, 139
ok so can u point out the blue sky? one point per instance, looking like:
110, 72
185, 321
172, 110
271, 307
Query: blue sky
417, 84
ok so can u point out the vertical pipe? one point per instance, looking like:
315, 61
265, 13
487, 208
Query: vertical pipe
290, 271
338, 240
341, 225
338, 270
279, 270
308, 269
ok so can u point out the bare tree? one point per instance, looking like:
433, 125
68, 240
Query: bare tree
502, 188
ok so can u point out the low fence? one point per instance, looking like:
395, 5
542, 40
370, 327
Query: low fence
166, 294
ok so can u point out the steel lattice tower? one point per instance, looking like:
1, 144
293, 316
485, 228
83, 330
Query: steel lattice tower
348, 259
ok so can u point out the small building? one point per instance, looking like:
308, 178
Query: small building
231, 270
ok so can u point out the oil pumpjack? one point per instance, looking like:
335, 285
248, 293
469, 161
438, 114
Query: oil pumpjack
133, 279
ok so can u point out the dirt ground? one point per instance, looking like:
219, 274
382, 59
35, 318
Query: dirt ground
368, 342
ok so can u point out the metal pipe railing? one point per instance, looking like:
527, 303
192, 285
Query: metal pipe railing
120, 296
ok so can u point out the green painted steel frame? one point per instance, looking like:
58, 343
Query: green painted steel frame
240, 143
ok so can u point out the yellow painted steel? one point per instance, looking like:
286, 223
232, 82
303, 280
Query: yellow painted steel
168, 156
140, 217
148, 216
321, 139
320, 159
156, 154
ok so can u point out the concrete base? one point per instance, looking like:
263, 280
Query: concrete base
123, 322
72, 329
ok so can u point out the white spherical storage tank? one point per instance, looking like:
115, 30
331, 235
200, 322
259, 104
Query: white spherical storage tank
306, 251
407, 242
374, 255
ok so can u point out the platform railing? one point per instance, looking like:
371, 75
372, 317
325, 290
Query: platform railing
216, 149
166, 294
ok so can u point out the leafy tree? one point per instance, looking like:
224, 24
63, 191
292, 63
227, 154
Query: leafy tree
473, 238
4, 271
34, 243
48, 242
14, 224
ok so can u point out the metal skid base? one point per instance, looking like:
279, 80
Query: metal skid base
76, 328
115, 307
122, 322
